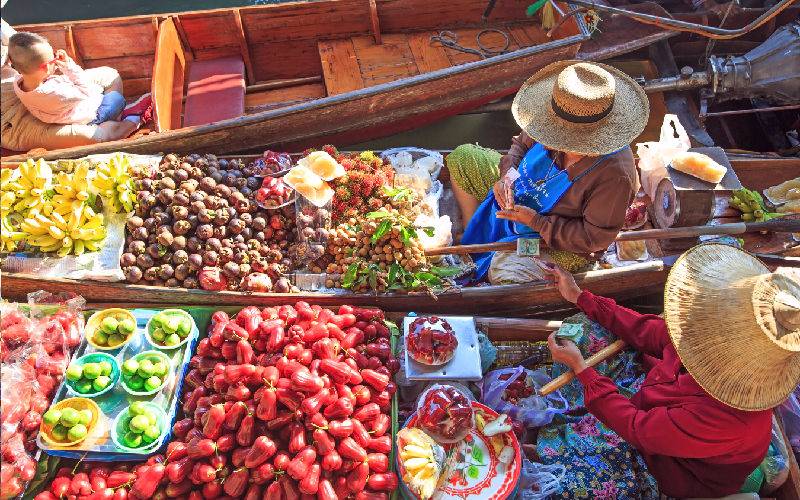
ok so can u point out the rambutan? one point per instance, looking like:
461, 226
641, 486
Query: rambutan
343, 193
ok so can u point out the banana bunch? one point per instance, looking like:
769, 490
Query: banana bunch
422, 459
752, 206
31, 186
10, 235
8, 196
80, 230
113, 182
71, 190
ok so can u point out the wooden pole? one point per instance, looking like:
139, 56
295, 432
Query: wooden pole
601, 355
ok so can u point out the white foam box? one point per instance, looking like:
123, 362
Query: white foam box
465, 364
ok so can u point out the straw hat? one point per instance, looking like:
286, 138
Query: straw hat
735, 325
579, 107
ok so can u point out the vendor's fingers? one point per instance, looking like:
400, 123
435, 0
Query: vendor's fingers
551, 342
511, 214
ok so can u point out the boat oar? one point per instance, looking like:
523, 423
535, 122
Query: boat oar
564, 379
779, 225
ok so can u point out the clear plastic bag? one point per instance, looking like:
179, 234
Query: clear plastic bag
406, 157
775, 465
531, 411
538, 481
655, 156
445, 413
790, 414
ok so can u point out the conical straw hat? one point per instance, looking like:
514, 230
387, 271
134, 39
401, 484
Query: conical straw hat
580, 107
735, 325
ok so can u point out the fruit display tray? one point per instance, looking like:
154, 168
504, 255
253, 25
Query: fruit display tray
466, 362
98, 445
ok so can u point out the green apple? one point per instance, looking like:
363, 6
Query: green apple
105, 368
158, 335
139, 423
100, 338
172, 339
109, 324
185, 327
83, 386
74, 372
115, 340
130, 367
137, 408
69, 417
172, 323
160, 369
126, 326
51, 416
101, 383
136, 383
92, 370
86, 417
76, 432
151, 434
59, 433
145, 368
132, 440
152, 383
151, 417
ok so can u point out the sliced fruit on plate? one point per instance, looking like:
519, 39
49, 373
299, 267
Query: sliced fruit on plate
322, 164
422, 460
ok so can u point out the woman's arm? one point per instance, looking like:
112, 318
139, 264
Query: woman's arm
687, 431
520, 145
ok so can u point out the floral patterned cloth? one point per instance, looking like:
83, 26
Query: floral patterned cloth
600, 465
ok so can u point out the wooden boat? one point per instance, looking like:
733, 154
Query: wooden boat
298, 73
638, 280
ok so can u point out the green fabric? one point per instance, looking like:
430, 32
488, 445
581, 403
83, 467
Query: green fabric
474, 169
753, 482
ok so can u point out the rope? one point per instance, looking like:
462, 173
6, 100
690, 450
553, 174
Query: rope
449, 39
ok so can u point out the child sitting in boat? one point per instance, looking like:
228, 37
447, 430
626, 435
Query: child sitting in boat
56, 90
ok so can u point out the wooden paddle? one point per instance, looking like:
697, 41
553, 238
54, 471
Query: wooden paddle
564, 379
780, 225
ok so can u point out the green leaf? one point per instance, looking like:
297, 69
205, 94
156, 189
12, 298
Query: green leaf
394, 272
380, 214
534, 7
429, 231
373, 279
383, 228
445, 272
429, 278
393, 330
350, 275
405, 236
477, 455
473, 472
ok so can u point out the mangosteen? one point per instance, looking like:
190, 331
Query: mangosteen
180, 257
189, 186
220, 231
260, 236
181, 198
205, 231
195, 261
223, 163
193, 244
192, 158
179, 212
181, 227
192, 220
165, 238
127, 259
240, 247
213, 244
235, 226
244, 269
181, 175
163, 219
208, 184
178, 242
144, 185
238, 239
259, 265
154, 251
253, 183
213, 202
217, 176
166, 183
205, 216
140, 233
247, 233
191, 283
166, 271
150, 224
259, 223
231, 269
137, 247
240, 182
166, 196
241, 257
151, 274
172, 283
170, 158
196, 206
223, 191
210, 158
307, 233
244, 206
197, 196
210, 258
229, 179
134, 222
226, 254
132, 274
182, 271
282, 285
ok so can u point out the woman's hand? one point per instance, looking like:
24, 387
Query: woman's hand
566, 353
564, 281
519, 213
503, 193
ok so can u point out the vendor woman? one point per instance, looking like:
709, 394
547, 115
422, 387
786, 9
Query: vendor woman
726, 352
577, 175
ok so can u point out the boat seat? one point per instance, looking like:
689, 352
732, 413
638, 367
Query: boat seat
216, 90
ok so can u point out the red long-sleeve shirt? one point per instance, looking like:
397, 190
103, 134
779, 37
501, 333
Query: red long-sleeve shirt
694, 445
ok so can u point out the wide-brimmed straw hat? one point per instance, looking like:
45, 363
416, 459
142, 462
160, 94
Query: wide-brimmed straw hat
735, 325
579, 107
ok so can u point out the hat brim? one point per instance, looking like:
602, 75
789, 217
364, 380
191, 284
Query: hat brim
534, 113
713, 327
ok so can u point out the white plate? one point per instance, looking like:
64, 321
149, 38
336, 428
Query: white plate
466, 362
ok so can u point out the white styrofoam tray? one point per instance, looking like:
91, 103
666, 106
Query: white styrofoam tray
465, 364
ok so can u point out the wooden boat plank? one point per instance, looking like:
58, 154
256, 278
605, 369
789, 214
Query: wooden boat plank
405, 15
467, 37
244, 47
528, 35
427, 57
210, 31
134, 87
286, 94
128, 66
72, 48
291, 59
103, 42
340, 66
328, 18
217, 52
385, 62
56, 35
167, 89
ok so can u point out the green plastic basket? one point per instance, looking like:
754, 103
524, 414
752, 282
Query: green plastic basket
152, 355
96, 357
118, 429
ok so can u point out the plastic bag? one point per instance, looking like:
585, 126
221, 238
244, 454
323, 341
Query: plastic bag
407, 157
655, 156
790, 414
445, 413
532, 411
538, 481
775, 465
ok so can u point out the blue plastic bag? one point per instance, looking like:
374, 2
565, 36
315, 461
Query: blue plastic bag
533, 411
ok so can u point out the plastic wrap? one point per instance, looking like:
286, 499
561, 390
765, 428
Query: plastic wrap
313, 227
538, 481
445, 413
790, 414
655, 156
775, 465
533, 410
